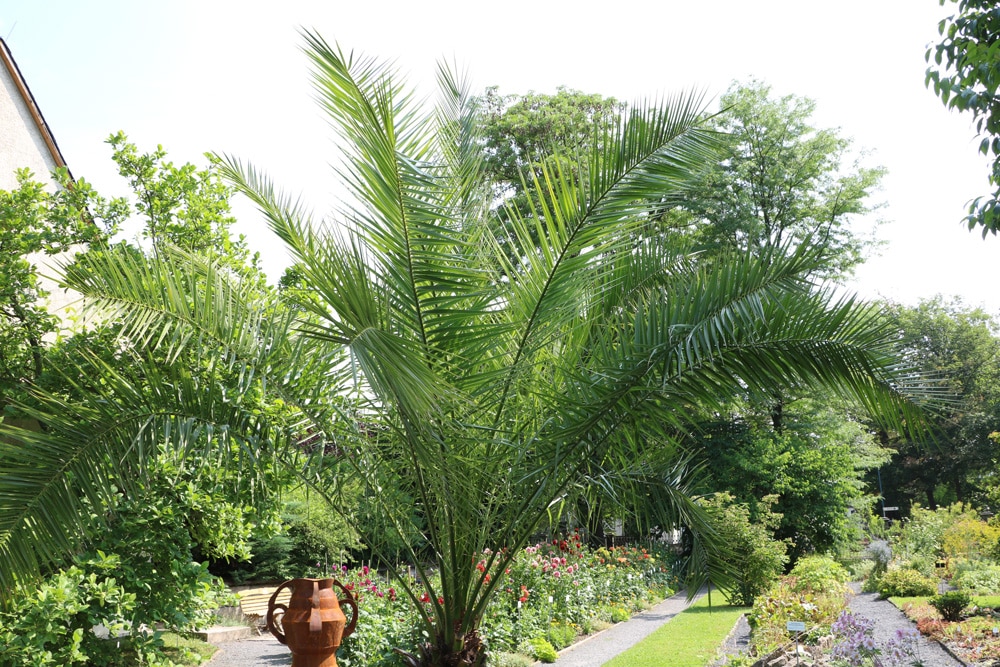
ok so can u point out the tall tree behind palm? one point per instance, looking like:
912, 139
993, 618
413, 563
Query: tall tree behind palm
435, 366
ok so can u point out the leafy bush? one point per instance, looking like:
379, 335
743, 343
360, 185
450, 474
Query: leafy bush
977, 577
151, 535
951, 604
782, 603
923, 533
757, 558
51, 625
905, 583
543, 650
561, 635
970, 538
819, 574
508, 660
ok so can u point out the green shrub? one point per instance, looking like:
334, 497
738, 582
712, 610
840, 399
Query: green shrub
509, 660
951, 604
757, 559
970, 538
619, 614
782, 603
543, 650
905, 583
977, 577
51, 625
561, 635
819, 574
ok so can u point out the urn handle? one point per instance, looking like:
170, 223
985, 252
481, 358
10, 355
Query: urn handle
273, 605
353, 604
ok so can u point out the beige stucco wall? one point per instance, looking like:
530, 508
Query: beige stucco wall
22, 145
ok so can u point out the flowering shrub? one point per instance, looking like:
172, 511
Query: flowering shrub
905, 583
552, 591
566, 582
854, 643
791, 599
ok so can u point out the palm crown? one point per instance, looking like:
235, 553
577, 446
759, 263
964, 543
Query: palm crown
494, 381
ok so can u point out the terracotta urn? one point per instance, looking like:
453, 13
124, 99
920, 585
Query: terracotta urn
312, 625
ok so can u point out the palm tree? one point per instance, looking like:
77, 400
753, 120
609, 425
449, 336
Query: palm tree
432, 365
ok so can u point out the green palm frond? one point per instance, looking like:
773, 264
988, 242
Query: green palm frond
52, 498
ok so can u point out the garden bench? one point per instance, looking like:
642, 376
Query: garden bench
253, 604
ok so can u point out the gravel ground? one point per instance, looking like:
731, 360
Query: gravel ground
888, 619
264, 651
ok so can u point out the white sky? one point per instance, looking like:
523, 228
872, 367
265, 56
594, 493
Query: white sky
227, 76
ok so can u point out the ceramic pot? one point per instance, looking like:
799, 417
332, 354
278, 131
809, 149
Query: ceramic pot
312, 625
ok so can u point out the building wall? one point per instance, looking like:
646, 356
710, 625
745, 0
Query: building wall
23, 145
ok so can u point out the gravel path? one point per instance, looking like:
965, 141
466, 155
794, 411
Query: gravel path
888, 619
264, 651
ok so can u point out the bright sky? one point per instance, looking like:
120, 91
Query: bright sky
228, 76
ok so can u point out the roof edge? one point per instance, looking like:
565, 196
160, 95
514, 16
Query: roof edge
29, 101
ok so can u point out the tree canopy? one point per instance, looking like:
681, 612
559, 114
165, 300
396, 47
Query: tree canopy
965, 74
959, 346
782, 180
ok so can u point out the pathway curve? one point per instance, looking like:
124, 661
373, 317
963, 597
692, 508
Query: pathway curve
888, 619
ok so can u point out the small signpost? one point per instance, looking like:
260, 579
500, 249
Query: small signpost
798, 627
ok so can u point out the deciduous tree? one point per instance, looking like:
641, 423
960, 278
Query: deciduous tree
965, 74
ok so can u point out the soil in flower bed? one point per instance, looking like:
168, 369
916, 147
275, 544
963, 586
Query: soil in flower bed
975, 639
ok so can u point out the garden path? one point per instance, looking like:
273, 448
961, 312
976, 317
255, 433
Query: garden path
599, 648
888, 619
263, 651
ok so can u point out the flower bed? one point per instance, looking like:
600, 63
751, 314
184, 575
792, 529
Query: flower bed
554, 592
972, 639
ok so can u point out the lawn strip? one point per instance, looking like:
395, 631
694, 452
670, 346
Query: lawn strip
991, 601
691, 639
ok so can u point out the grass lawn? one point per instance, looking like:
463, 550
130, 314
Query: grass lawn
991, 601
690, 639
